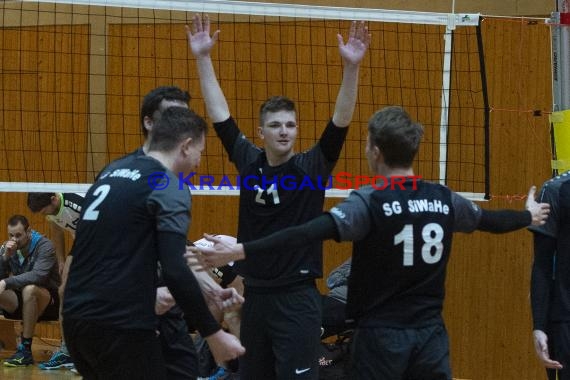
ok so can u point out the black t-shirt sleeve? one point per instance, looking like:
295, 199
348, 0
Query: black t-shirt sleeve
240, 150
500, 221
318, 229
228, 132
332, 140
182, 283
466, 214
542, 279
171, 208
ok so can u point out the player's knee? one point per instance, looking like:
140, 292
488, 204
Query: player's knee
29, 291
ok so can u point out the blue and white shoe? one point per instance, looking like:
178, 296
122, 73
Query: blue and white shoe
57, 360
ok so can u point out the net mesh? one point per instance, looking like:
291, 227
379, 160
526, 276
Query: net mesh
73, 76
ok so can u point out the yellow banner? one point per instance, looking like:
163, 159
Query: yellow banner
561, 126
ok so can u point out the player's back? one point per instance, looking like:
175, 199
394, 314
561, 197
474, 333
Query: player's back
113, 274
407, 249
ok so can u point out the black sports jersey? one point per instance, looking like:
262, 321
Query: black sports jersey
273, 198
403, 236
109, 277
68, 213
556, 192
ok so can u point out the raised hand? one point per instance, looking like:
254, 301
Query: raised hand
199, 39
539, 211
358, 41
220, 254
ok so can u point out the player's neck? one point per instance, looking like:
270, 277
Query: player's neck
145, 146
278, 159
388, 171
167, 160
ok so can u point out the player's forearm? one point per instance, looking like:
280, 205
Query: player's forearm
346, 98
216, 104
207, 284
542, 279
500, 221
321, 228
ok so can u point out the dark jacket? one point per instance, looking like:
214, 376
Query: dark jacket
39, 268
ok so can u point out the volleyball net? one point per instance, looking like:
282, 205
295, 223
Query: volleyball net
73, 74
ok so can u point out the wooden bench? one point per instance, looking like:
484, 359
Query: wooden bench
47, 334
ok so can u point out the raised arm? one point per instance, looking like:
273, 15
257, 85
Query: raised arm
201, 44
352, 53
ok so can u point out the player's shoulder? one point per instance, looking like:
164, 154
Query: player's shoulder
131, 165
556, 182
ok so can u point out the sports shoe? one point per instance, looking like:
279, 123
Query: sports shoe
57, 360
21, 358
220, 374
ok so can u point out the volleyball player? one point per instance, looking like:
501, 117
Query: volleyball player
281, 316
128, 224
402, 233
177, 345
550, 288
62, 211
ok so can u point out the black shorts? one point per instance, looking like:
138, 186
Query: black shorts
180, 356
281, 334
394, 354
101, 352
51, 312
559, 349
334, 317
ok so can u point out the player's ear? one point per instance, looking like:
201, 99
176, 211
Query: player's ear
148, 123
186, 145
260, 132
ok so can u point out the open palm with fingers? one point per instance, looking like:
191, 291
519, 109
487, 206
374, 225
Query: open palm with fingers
358, 41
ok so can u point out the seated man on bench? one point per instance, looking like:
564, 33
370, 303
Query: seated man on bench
29, 279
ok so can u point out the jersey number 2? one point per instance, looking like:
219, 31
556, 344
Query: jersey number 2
100, 193
432, 247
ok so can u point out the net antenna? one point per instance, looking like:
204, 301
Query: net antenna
412, 63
